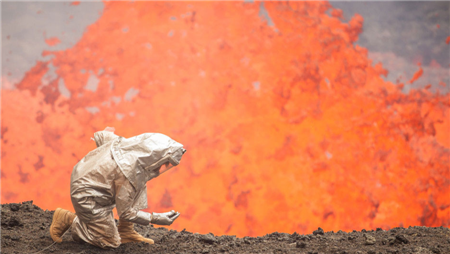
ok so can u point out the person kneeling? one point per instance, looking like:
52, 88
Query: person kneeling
115, 175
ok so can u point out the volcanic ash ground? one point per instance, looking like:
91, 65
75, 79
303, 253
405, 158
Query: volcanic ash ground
25, 229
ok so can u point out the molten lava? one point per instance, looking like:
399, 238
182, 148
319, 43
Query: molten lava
288, 125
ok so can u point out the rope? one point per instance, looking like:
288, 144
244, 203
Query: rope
48, 246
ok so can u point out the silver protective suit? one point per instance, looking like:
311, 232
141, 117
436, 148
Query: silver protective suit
115, 175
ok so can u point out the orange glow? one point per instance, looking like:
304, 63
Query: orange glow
52, 41
417, 75
287, 127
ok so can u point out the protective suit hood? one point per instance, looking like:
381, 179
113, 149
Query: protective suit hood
140, 157
103, 137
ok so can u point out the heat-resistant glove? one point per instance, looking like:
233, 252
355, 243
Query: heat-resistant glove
164, 219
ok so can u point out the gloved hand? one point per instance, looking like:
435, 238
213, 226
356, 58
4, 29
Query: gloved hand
164, 219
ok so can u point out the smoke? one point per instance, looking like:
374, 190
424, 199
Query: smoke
403, 34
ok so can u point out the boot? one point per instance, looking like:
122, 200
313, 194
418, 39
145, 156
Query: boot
62, 220
128, 235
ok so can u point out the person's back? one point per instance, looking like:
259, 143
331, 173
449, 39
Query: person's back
96, 167
92, 183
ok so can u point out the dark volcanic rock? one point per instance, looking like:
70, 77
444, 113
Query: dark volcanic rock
401, 238
15, 222
319, 231
14, 207
209, 238
26, 230
301, 245
369, 240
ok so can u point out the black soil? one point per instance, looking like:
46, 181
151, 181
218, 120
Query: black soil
25, 229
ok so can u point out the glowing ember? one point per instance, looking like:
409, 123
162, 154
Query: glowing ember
52, 41
288, 125
417, 75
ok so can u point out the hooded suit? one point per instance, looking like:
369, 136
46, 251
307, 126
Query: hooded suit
115, 175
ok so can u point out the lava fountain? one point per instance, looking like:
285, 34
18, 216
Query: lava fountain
287, 123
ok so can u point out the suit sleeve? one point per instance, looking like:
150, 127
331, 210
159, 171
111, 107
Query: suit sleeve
129, 202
